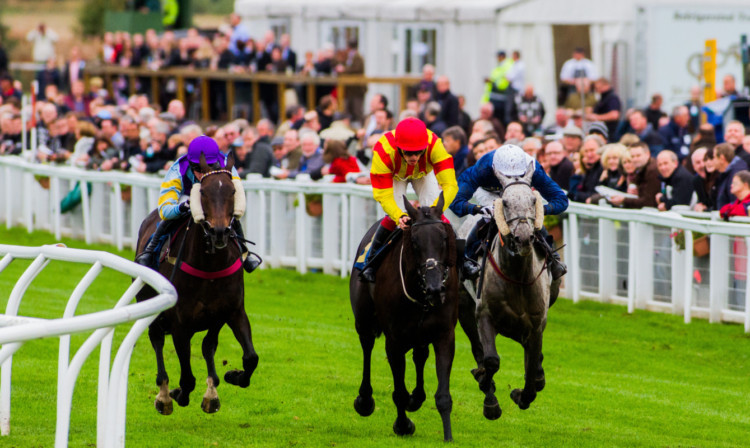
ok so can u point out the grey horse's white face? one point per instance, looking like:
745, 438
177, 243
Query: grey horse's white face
519, 210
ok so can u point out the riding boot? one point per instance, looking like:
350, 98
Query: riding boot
252, 260
470, 268
148, 256
556, 267
380, 237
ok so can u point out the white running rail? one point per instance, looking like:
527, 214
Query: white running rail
113, 379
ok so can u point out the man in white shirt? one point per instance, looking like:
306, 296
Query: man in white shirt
517, 74
44, 43
578, 67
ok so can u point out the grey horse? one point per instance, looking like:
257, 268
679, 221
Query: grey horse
515, 291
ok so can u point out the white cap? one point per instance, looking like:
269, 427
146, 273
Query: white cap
510, 161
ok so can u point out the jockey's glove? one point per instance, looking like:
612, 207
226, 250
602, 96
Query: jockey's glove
184, 207
485, 212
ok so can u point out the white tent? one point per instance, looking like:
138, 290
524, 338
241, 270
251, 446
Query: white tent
644, 48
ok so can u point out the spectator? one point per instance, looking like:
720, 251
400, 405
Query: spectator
311, 161
311, 122
729, 84
704, 180
447, 100
102, 155
355, 95
727, 164
600, 129
582, 92
612, 174
487, 112
3, 59
607, 109
455, 142
517, 73
326, 109
676, 181
49, 76
705, 137
11, 138
561, 168
572, 139
295, 116
287, 54
78, 101
642, 128
74, 68
734, 134
591, 167
676, 135
377, 102
532, 146
44, 40
578, 67
257, 152
561, 122
340, 130
644, 182
740, 188
158, 154
514, 132
432, 118
464, 120
497, 87
339, 161
427, 82
694, 107
292, 150
528, 109
7, 90
653, 112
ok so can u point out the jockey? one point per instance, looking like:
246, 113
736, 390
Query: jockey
508, 160
180, 179
407, 154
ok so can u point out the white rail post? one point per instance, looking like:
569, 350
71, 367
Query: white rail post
607, 260
632, 270
687, 278
645, 266
300, 232
679, 261
331, 232
344, 266
719, 276
747, 285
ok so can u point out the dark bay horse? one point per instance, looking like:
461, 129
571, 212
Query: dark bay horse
414, 302
515, 291
210, 289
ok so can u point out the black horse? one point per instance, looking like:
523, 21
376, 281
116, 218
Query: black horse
414, 301
210, 289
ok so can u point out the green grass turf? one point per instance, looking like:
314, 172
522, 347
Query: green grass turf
613, 379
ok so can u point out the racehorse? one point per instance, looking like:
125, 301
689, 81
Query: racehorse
208, 277
414, 302
515, 291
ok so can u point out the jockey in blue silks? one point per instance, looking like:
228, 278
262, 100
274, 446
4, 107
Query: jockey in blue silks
179, 180
509, 161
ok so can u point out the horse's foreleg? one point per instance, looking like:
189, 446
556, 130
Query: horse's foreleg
240, 326
532, 354
417, 397
468, 320
163, 402
444, 351
364, 404
402, 426
491, 361
181, 342
211, 401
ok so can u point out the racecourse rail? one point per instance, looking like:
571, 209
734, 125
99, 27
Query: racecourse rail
113, 379
614, 255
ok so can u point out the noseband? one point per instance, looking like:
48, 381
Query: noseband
520, 219
209, 234
429, 265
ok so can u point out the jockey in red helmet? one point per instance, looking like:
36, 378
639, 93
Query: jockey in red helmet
409, 154
180, 179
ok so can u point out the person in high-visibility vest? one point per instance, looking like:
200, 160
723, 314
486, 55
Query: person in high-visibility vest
497, 87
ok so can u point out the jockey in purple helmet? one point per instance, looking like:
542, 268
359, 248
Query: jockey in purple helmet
180, 179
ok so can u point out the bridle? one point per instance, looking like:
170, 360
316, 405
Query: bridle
209, 234
429, 264
520, 219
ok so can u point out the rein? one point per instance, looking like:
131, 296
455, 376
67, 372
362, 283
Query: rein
429, 264
499, 272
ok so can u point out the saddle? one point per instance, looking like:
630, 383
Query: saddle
167, 241
359, 262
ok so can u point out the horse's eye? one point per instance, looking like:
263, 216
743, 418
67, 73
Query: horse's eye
203, 193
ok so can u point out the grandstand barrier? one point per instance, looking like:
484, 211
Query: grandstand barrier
614, 255
113, 378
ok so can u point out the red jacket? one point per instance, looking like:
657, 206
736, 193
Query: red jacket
341, 166
736, 208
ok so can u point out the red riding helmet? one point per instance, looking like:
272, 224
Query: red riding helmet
411, 135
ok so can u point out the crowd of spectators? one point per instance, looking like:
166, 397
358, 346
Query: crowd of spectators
642, 158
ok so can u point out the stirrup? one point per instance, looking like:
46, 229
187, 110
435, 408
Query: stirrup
146, 258
251, 262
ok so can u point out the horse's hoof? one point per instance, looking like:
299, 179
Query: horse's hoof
415, 401
163, 408
517, 396
492, 409
237, 378
364, 406
181, 399
210, 405
405, 429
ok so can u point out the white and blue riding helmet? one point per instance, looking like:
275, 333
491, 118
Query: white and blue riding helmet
510, 161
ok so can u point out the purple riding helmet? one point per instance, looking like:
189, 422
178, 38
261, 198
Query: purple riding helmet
202, 145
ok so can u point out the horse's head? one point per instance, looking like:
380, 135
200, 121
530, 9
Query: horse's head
519, 212
433, 245
216, 201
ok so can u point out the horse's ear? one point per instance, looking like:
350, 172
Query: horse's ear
204, 165
413, 213
529, 172
230, 161
438, 208
503, 180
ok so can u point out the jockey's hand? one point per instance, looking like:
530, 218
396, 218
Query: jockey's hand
184, 207
485, 212
403, 222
